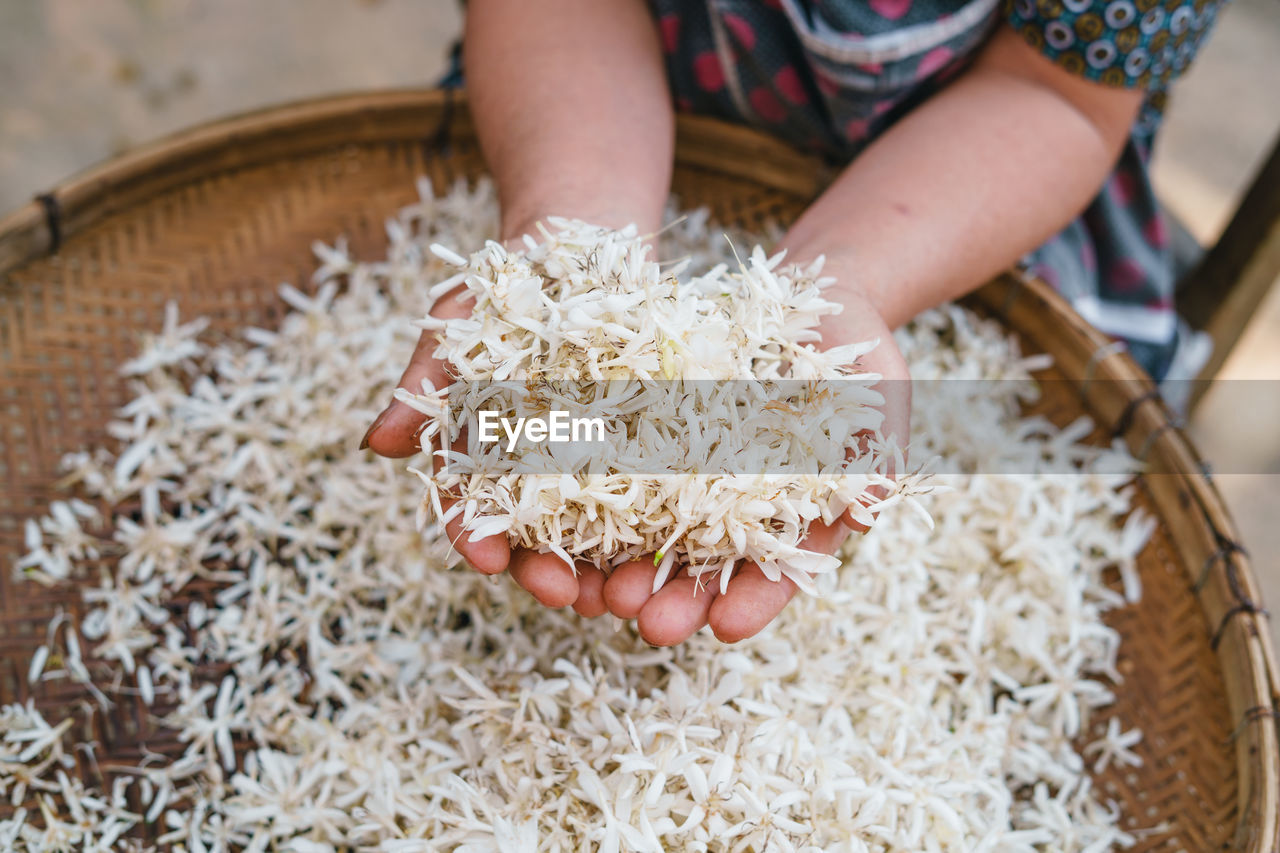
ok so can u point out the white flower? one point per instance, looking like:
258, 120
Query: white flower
1115, 746
689, 465
271, 581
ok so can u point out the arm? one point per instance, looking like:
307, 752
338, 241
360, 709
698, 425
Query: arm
980, 174
571, 107
956, 192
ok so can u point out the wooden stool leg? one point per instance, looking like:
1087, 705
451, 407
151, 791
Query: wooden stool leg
1222, 294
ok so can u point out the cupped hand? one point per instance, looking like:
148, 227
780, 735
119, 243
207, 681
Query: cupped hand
751, 601
683, 605
395, 434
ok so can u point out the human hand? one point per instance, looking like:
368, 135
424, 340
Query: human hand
751, 601
394, 434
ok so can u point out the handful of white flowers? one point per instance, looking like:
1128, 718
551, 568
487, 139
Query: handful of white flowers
718, 433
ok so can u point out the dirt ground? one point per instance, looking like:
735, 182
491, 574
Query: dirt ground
82, 80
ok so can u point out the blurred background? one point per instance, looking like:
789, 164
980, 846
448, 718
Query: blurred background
81, 80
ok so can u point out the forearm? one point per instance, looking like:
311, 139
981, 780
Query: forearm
960, 189
572, 110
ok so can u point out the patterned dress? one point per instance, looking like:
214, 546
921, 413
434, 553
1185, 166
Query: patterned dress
831, 75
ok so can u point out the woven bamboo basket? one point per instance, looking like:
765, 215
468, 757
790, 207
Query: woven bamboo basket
218, 217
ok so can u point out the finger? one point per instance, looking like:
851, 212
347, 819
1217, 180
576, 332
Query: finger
394, 432
860, 444
629, 588
750, 603
545, 576
824, 538
896, 387
852, 523
896, 426
590, 603
489, 555
877, 492
676, 611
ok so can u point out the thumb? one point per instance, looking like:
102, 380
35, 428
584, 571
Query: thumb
394, 432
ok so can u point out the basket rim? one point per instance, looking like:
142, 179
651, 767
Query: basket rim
246, 138
1226, 590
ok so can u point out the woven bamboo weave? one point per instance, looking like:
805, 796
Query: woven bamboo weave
218, 217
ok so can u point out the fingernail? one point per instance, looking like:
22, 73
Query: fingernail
377, 422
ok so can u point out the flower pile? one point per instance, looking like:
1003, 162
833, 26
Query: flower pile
726, 429
340, 684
